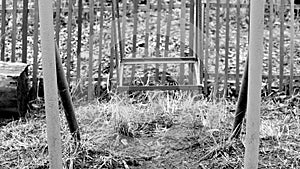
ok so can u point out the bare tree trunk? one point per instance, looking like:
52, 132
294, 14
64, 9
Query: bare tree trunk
254, 84
50, 84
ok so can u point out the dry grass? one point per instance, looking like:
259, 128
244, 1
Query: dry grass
165, 132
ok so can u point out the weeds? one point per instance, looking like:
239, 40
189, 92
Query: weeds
167, 131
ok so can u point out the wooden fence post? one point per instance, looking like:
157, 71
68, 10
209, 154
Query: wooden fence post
50, 84
254, 83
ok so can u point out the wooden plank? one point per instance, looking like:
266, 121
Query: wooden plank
191, 40
167, 41
14, 31
216, 85
100, 47
163, 60
3, 25
57, 21
24, 29
91, 51
35, 48
281, 45
158, 25
69, 38
134, 38
182, 39
226, 48
271, 20
292, 31
238, 36
151, 88
79, 34
207, 9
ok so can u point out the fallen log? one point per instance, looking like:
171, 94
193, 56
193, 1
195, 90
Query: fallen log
14, 89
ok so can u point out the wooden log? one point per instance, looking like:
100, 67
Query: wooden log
14, 89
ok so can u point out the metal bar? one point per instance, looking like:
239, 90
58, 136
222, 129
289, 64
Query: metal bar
69, 43
35, 49
191, 40
24, 29
292, 30
80, 6
281, 45
134, 38
206, 45
216, 85
57, 22
226, 48
270, 77
13, 33
151, 88
91, 51
182, 38
169, 19
238, 36
147, 33
200, 27
169, 60
157, 51
100, 47
117, 31
3, 25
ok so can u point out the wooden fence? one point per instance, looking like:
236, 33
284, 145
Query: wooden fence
83, 33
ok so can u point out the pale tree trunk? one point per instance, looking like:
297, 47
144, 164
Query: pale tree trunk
254, 83
50, 84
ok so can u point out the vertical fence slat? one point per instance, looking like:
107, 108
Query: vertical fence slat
134, 38
3, 25
91, 51
292, 29
24, 29
200, 27
115, 28
112, 51
206, 45
13, 32
69, 43
216, 85
157, 52
35, 48
281, 45
226, 48
124, 12
79, 33
119, 42
197, 42
182, 39
57, 21
100, 47
238, 36
166, 53
270, 46
146, 39
191, 40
